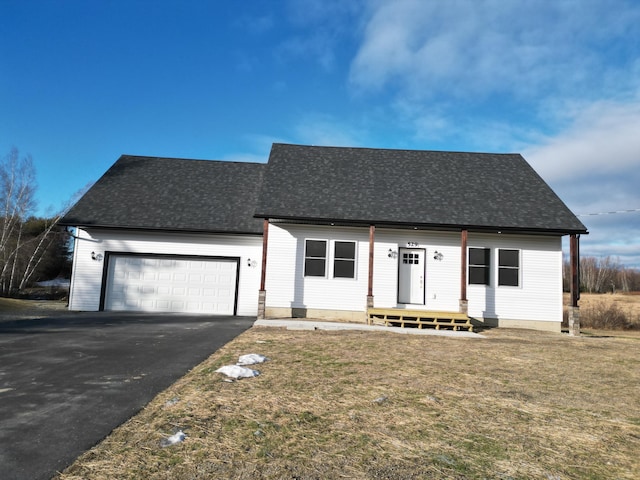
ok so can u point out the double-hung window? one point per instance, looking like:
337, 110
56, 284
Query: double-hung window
344, 259
315, 258
479, 266
509, 267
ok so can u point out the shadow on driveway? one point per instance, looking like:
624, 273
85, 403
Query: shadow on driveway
68, 379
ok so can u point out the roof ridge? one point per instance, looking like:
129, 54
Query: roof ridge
382, 149
155, 157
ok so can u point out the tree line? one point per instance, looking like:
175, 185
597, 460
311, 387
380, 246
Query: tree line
603, 275
32, 248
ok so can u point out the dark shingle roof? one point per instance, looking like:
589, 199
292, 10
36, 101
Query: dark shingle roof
172, 194
409, 187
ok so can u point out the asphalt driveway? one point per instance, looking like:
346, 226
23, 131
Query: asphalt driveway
68, 379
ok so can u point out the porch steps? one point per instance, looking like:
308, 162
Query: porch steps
420, 318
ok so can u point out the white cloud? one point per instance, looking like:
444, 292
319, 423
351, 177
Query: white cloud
320, 28
473, 48
594, 165
604, 139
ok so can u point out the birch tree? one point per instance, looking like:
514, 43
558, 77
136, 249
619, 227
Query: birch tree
26, 242
17, 191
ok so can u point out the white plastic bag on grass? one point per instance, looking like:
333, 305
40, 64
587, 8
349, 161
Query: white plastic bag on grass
178, 437
237, 371
251, 359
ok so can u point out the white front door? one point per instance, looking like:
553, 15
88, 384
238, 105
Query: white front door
411, 272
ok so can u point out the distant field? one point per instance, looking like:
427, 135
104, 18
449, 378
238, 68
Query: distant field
516, 404
615, 309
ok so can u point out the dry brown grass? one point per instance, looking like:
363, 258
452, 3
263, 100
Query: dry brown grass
629, 303
359, 405
620, 311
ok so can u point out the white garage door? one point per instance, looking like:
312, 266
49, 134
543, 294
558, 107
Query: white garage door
170, 284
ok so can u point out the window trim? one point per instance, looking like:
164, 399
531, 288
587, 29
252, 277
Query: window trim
335, 258
307, 257
517, 268
486, 266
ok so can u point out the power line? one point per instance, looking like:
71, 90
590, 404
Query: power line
631, 210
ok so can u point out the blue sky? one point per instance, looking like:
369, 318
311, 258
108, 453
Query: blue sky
82, 82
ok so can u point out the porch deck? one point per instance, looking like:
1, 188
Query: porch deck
419, 318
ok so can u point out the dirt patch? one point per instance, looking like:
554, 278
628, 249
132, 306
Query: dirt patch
516, 404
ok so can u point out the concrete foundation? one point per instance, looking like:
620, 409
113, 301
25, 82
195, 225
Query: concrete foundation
528, 324
361, 317
317, 314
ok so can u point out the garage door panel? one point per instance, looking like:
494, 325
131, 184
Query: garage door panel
171, 285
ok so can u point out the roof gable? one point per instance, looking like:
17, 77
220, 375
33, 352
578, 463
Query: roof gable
410, 187
172, 194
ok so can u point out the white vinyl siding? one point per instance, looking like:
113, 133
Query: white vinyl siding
538, 297
86, 282
539, 294
288, 287
442, 273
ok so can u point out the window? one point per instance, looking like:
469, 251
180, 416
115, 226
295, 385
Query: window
411, 258
479, 266
509, 267
315, 258
344, 260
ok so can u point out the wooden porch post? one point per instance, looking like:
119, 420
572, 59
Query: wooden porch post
464, 303
262, 294
574, 308
372, 233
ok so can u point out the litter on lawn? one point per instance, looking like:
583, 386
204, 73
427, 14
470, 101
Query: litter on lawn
237, 371
251, 359
177, 437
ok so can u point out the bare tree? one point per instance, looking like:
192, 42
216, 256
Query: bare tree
623, 279
588, 273
605, 274
25, 241
17, 190
600, 275
42, 243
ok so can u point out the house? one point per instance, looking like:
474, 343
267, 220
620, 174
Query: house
325, 232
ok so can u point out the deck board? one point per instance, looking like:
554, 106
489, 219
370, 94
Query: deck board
419, 318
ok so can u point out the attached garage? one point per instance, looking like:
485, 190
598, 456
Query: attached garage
171, 283
168, 235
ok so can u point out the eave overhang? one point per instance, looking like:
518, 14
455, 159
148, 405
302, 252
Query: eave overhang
453, 227
95, 226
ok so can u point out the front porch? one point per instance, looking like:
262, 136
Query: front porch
420, 318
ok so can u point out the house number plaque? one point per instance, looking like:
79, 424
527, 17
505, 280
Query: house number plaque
413, 244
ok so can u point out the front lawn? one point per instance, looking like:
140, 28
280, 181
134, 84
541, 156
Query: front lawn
515, 405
